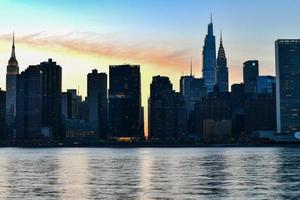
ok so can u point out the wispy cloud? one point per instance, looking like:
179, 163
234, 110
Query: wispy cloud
108, 45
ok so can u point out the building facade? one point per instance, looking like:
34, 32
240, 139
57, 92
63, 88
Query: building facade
11, 89
222, 69
167, 111
209, 59
125, 110
39, 102
250, 75
98, 102
288, 85
2, 115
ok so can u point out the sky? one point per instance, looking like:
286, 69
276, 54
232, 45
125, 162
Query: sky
160, 35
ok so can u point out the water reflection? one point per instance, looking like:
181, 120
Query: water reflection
145, 173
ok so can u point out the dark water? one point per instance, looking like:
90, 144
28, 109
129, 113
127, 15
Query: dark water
150, 173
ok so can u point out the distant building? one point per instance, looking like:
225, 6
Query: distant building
260, 114
192, 89
167, 112
222, 69
213, 115
30, 103
250, 75
11, 89
238, 111
97, 102
76, 99
66, 105
80, 131
84, 110
2, 114
209, 59
125, 110
288, 85
266, 85
39, 102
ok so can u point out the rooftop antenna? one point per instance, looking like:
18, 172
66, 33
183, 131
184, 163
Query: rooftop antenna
191, 66
211, 17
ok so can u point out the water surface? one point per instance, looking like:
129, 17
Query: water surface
149, 173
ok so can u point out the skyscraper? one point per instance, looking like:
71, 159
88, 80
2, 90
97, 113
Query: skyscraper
11, 84
167, 111
222, 69
29, 121
288, 85
192, 89
209, 59
66, 105
39, 102
250, 75
97, 102
125, 111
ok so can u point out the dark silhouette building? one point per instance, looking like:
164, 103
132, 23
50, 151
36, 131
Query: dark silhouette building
97, 102
11, 90
222, 69
76, 99
260, 114
2, 115
30, 104
266, 85
66, 105
209, 59
125, 111
238, 111
167, 111
192, 89
250, 75
288, 85
39, 102
213, 115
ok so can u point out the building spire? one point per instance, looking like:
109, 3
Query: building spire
13, 52
211, 17
191, 66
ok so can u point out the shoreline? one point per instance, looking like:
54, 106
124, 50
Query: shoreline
129, 145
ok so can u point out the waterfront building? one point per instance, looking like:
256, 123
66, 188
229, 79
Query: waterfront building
238, 111
213, 115
167, 111
288, 85
98, 102
125, 110
39, 102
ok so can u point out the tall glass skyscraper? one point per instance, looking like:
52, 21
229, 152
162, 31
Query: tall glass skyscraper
209, 59
288, 85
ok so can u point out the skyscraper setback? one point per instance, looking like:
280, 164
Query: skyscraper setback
11, 87
209, 59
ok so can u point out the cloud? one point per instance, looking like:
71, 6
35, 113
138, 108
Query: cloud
110, 46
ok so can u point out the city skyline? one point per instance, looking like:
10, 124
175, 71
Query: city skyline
98, 44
